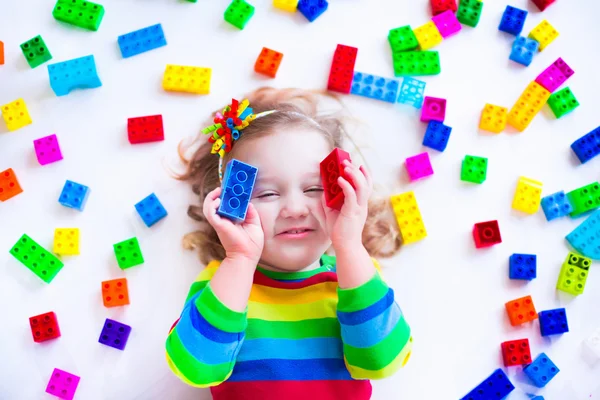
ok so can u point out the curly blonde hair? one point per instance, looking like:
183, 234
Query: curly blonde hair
295, 107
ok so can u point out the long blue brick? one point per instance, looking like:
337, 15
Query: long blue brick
586, 237
142, 40
78, 73
375, 87
238, 184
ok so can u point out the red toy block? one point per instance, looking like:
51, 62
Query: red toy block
145, 129
115, 293
331, 169
516, 352
486, 234
521, 310
1, 52
542, 4
342, 69
44, 327
268, 62
439, 6
9, 185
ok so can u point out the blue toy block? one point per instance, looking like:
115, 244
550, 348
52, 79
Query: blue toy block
74, 195
411, 92
375, 87
142, 40
78, 73
495, 387
114, 334
522, 266
556, 205
437, 135
541, 370
151, 210
587, 146
553, 322
512, 20
523, 50
238, 184
586, 237
312, 9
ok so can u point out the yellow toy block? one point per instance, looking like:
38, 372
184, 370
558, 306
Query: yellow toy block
178, 78
544, 33
66, 241
428, 36
409, 217
529, 104
286, 5
493, 118
528, 195
15, 115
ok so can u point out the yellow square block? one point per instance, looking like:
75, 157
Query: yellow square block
544, 33
409, 217
529, 104
66, 241
286, 5
15, 115
428, 36
493, 118
179, 78
528, 195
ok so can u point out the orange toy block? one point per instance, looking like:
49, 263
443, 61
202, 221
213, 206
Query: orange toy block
521, 310
9, 185
268, 62
1, 52
115, 293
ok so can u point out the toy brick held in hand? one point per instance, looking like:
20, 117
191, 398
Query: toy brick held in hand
331, 169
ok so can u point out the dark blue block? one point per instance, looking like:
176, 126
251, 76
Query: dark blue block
513, 20
151, 210
311, 9
74, 195
238, 184
553, 322
437, 135
587, 146
142, 40
375, 87
523, 50
114, 334
522, 266
556, 205
495, 387
541, 370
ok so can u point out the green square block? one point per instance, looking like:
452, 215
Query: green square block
35, 51
573, 274
469, 12
128, 253
239, 13
83, 14
416, 63
585, 198
562, 102
40, 261
402, 39
474, 169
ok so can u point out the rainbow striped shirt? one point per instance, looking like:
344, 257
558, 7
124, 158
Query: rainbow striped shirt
301, 337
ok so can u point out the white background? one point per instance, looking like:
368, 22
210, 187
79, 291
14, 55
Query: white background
452, 294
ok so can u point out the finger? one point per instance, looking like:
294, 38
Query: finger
359, 181
350, 198
208, 206
368, 176
252, 217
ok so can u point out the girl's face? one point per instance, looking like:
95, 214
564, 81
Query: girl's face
287, 195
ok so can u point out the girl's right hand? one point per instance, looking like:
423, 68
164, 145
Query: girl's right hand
244, 239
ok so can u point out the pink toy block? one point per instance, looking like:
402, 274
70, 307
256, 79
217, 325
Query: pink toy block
62, 384
418, 166
447, 23
47, 150
555, 75
434, 109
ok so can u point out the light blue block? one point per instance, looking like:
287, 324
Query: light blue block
375, 87
151, 210
238, 184
78, 73
541, 370
142, 40
556, 205
74, 195
523, 50
586, 237
411, 92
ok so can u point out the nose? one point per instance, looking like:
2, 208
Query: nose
294, 206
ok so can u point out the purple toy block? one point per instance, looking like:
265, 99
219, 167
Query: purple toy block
47, 149
447, 23
62, 384
555, 75
114, 334
418, 166
434, 109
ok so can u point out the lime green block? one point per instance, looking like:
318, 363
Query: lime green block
128, 253
416, 63
585, 198
573, 274
35, 51
474, 169
84, 14
562, 102
239, 13
469, 12
40, 261
402, 39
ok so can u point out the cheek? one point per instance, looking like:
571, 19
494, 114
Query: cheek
316, 208
267, 213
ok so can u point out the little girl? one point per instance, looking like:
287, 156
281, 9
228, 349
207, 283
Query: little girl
272, 317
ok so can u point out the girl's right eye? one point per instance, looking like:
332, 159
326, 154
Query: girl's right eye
266, 195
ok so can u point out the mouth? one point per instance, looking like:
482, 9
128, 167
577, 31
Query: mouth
296, 232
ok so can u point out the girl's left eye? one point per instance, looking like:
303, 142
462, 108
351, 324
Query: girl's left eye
317, 189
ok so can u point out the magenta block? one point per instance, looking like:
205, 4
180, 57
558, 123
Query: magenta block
447, 23
434, 109
47, 150
418, 166
62, 384
555, 75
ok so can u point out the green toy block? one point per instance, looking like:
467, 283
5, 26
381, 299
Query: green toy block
474, 169
469, 12
585, 198
35, 51
239, 13
83, 14
128, 253
562, 102
573, 274
415, 63
402, 39
40, 261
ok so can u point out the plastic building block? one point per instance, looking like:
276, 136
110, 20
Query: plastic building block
434, 109
439, 6
553, 322
179, 78
493, 118
9, 185
286, 5
332, 168
544, 33
40, 261
556, 205
573, 274
541, 370
474, 169
587, 146
469, 12
1, 52
416, 63
128, 253
402, 39
528, 195
115, 293
342, 69
437, 135
555, 75
592, 343
312, 9
486, 234
44, 327
447, 24
527, 106
521, 310
542, 4
523, 50
375, 87
411, 92
239, 13
145, 129
409, 217
74, 195
15, 115
586, 237
62, 384
522, 266
142, 40
418, 166
512, 20
268, 62
516, 352
47, 149
66, 241
35, 51
562, 102
151, 210
114, 334
238, 184
78, 73
81, 13
428, 36
495, 387
584, 199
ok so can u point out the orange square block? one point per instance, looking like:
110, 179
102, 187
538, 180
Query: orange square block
9, 185
115, 293
268, 62
521, 310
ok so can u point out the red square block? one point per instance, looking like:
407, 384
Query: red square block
521, 310
331, 169
516, 352
9, 185
341, 74
486, 234
145, 129
439, 6
542, 4
115, 293
268, 62
44, 327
